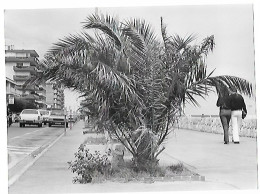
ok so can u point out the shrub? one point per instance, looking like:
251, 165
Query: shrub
88, 166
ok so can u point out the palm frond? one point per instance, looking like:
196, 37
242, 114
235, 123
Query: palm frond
72, 43
242, 85
108, 25
181, 43
207, 45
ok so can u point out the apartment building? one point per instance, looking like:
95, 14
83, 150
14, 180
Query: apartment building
54, 95
22, 65
11, 88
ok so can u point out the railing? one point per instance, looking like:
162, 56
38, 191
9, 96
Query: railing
58, 102
213, 125
21, 77
33, 61
42, 88
41, 92
30, 69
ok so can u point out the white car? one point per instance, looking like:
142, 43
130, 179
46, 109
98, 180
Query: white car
30, 117
57, 117
45, 115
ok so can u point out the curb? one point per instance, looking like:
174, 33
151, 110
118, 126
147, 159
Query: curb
161, 179
31, 159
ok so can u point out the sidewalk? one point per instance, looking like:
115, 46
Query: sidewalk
232, 164
222, 165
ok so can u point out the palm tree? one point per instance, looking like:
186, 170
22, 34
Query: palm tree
138, 83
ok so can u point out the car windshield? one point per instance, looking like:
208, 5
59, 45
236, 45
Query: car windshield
30, 112
57, 112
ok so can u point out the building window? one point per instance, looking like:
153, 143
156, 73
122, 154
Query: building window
19, 64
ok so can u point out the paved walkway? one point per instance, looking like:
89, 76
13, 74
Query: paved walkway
226, 167
232, 164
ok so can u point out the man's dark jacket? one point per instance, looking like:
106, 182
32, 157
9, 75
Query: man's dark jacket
236, 102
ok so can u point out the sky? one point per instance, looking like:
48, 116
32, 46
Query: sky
231, 25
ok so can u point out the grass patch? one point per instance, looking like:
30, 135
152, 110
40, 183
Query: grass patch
178, 169
128, 174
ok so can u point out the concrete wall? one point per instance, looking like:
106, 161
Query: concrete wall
213, 125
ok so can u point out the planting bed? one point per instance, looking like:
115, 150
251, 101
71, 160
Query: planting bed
127, 172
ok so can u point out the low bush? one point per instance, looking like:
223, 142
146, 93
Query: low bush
89, 167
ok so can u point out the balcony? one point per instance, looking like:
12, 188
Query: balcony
32, 87
56, 95
41, 92
39, 101
32, 60
30, 97
28, 87
30, 69
42, 88
43, 98
21, 77
57, 102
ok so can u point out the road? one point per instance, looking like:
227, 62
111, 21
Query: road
15, 131
25, 143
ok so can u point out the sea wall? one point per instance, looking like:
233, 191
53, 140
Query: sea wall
213, 125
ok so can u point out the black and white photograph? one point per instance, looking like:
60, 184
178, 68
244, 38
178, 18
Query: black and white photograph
141, 98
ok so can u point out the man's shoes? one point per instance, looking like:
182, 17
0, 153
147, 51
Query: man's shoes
225, 142
236, 142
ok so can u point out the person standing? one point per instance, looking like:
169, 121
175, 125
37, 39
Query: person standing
224, 112
237, 105
9, 117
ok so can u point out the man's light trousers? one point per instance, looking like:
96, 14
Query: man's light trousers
236, 120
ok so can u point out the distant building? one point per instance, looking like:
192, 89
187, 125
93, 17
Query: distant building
21, 66
54, 95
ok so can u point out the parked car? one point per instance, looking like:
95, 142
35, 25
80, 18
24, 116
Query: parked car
73, 118
57, 117
45, 115
30, 117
